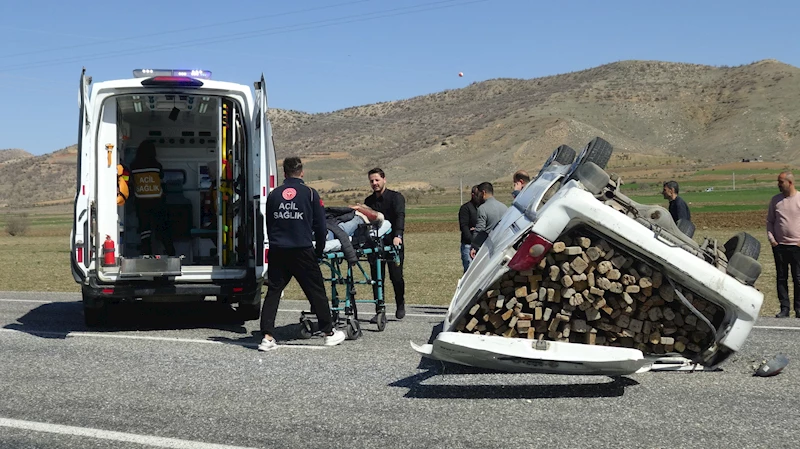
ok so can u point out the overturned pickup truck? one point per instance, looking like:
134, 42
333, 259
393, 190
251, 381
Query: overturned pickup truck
579, 279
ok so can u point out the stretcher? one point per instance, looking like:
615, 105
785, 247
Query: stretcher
370, 249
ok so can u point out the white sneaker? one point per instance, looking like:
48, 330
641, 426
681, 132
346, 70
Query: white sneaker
267, 344
334, 339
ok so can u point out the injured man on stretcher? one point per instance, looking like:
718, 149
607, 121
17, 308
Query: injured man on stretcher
344, 222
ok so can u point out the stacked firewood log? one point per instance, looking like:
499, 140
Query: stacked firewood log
588, 291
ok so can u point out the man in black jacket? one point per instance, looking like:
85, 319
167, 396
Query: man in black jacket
393, 206
295, 223
467, 219
677, 206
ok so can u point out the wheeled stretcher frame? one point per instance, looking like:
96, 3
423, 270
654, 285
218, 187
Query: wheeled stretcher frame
344, 310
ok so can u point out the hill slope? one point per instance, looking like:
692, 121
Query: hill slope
666, 116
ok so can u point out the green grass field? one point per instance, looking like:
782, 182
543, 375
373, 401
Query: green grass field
39, 260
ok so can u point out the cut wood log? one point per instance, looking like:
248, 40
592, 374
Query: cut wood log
579, 265
614, 274
558, 247
472, 324
604, 267
593, 253
592, 314
573, 250
475, 310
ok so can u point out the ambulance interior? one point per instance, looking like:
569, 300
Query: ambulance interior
201, 143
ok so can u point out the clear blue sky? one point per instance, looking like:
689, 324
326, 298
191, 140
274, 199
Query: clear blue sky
324, 55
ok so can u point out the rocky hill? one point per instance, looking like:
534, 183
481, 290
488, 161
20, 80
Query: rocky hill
666, 116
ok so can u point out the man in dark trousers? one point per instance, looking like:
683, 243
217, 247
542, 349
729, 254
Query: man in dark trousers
467, 219
295, 223
393, 206
151, 211
677, 206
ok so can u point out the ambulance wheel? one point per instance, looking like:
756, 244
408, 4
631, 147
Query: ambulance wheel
381, 321
249, 308
353, 330
95, 310
94, 317
305, 329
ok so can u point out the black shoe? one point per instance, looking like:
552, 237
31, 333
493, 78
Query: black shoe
400, 313
783, 314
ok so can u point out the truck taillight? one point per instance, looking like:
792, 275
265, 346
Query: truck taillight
79, 254
532, 250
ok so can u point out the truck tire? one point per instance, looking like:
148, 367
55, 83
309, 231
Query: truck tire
597, 151
743, 243
563, 155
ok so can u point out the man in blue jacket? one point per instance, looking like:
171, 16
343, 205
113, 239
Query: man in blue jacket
295, 223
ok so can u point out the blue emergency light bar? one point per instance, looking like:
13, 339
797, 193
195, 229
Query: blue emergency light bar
149, 73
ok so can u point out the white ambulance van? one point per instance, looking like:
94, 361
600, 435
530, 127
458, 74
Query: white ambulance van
214, 142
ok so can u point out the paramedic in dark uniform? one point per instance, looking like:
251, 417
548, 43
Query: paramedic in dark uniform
393, 206
151, 211
295, 223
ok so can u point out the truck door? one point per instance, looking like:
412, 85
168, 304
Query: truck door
263, 176
83, 219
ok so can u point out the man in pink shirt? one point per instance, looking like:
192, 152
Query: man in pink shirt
783, 232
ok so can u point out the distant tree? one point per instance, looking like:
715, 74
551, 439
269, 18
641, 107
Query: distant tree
18, 224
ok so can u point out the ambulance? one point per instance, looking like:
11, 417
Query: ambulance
214, 142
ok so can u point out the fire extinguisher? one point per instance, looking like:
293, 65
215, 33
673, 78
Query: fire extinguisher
109, 259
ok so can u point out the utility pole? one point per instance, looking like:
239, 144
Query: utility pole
461, 190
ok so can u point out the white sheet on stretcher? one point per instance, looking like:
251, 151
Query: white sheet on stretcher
336, 245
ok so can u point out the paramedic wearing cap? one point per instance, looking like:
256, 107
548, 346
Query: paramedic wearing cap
295, 223
393, 206
151, 211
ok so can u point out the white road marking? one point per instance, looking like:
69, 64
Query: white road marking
782, 328
37, 301
89, 432
151, 338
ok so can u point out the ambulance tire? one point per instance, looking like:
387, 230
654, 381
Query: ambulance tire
249, 311
95, 310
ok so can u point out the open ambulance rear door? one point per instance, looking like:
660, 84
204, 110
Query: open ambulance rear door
263, 174
82, 233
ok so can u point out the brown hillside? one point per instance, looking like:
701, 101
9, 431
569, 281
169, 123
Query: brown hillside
11, 155
663, 118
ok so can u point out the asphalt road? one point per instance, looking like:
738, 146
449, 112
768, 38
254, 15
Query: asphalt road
189, 376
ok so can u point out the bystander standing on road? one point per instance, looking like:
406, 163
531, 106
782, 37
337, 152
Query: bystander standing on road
467, 220
783, 232
393, 206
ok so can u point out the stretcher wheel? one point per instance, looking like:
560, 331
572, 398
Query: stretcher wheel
306, 329
353, 330
380, 320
